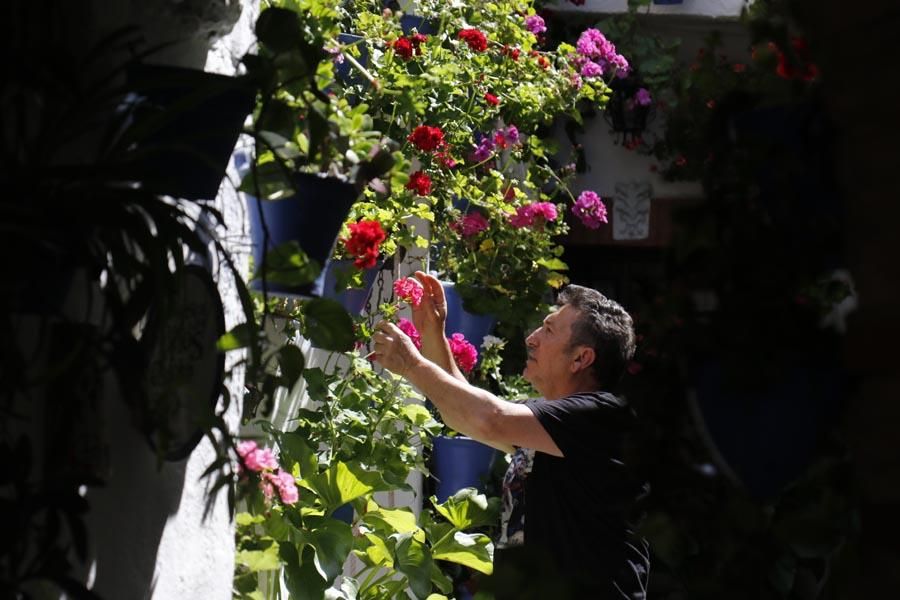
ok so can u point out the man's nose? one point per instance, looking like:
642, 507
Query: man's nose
531, 340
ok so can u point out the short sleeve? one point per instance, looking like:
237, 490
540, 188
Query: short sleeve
584, 424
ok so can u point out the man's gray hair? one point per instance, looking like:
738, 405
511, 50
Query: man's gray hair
603, 325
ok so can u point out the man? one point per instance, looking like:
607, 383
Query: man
567, 493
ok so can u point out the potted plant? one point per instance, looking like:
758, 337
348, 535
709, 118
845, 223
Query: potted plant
314, 152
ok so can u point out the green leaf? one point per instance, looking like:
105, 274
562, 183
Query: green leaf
396, 520
467, 508
377, 552
295, 449
342, 483
413, 559
302, 579
240, 336
332, 541
328, 325
287, 264
259, 560
441, 581
244, 519
554, 264
473, 550
291, 361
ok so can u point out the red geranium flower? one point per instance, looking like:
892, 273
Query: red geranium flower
403, 47
805, 70
474, 38
420, 183
365, 238
426, 138
491, 99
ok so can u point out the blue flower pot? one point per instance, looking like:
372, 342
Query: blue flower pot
354, 299
768, 436
460, 462
473, 327
344, 71
409, 22
184, 126
344, 513
313, 217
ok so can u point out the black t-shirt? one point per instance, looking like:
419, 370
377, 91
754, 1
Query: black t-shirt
565, 520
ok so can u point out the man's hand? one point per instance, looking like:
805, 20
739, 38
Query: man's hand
394, 350
429, 317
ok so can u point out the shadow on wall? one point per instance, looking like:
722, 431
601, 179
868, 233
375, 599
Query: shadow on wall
128, 516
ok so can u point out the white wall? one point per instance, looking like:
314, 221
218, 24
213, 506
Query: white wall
696, 8
148, 535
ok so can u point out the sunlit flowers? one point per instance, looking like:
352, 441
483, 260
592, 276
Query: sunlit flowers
534, 214
407, 327
426, 138
464, 353
272, 477
420, 183
474, 38
409, 290
364, 242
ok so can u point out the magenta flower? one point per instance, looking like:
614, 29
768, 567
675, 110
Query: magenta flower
536, 213
642, 97
511, 134
407, 327
470, 224
590, 209
591, 69
483, 150
464, 354
593, 45
409, 290
535, 24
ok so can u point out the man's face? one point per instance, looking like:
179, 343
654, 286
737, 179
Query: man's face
549, 355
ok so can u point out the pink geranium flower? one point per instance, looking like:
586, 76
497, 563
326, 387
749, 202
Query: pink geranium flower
536, 213
409, 290
470, 224
464, 354
407, 327
287, 487
256, 459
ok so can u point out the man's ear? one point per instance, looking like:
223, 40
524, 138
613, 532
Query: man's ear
583, 359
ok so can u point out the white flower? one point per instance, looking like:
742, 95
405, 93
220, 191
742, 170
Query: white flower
491, 341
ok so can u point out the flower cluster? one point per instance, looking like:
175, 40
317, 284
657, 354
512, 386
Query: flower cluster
474, 38
420, 183
642, 97
470, 224
409, 290
262, 461
501, 139
464, 353
536, 213
407, 327
590, 209
491, 99
803, 68
364, 241
598, 56
427, 138
406, 47
535, 24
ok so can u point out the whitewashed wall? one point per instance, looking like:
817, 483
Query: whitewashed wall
148, 535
